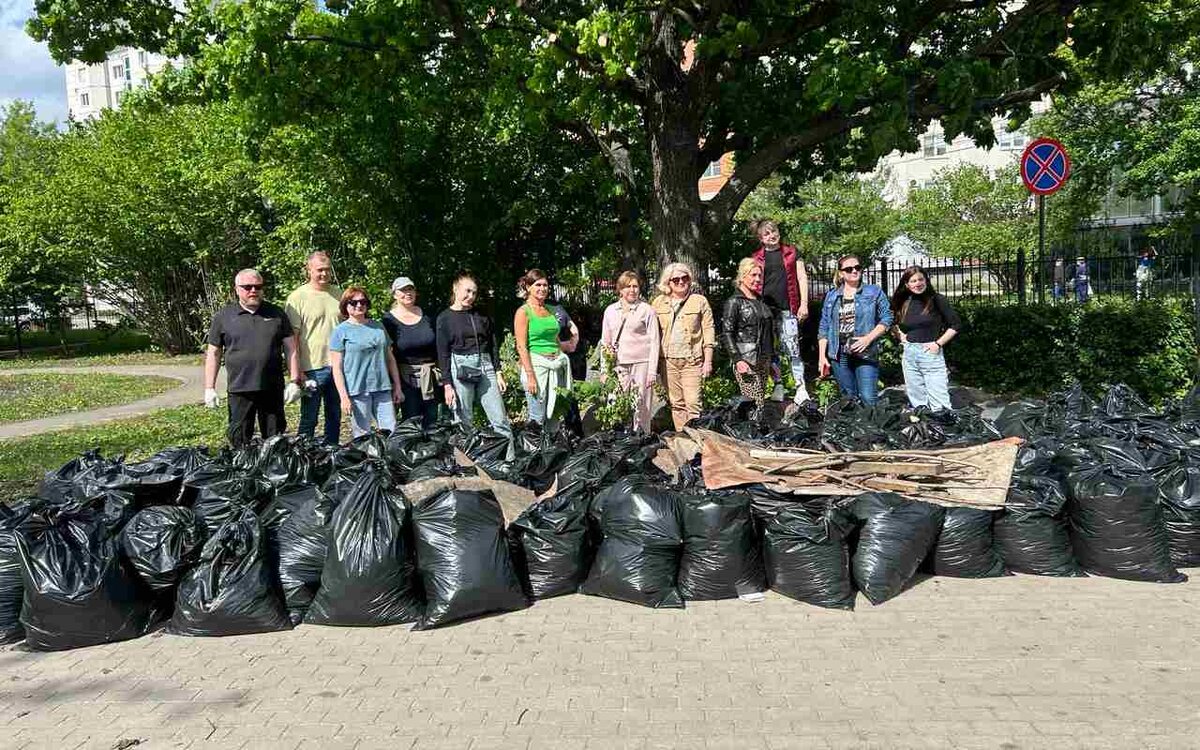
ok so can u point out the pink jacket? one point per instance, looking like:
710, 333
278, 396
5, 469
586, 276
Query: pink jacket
639, 337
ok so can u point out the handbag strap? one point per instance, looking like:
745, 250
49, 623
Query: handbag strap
475, 332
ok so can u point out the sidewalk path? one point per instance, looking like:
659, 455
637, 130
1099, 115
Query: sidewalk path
189, 391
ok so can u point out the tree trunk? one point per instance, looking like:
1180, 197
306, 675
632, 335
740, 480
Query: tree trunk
676, 211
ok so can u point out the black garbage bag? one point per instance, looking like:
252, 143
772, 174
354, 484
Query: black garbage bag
78, 590
853, 426
964, 547
1031, 532
1113, 513
217, 470
1122, 401
805, 549
463, 557
1024, 419
439, 466
296, 523
232, 591
722, 556
292, 460
1179, 493
161, 543
369, 577
489, 450
552, 544
895, 536
12, 591
411, 445
949, 428
224, 500
641, 544
57, 486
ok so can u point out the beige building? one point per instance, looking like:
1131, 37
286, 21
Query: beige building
92, 88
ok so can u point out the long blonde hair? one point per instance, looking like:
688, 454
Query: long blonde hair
664, 278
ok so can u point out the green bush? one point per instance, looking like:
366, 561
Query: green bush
1150, 346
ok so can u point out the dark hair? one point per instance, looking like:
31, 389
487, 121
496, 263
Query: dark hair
347, 295
531, 277
902, 296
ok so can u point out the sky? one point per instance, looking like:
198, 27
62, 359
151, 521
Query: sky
26, 69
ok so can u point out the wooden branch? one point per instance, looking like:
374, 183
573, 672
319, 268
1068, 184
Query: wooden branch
321, 38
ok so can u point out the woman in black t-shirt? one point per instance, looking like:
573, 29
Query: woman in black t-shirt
414, 345
926, 323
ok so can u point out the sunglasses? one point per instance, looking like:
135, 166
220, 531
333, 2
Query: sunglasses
851, 269
681, 279
358, 303
251, 287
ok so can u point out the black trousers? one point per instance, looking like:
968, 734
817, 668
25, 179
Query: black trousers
245, 408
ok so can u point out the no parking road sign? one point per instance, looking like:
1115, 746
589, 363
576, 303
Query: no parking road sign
1045, 166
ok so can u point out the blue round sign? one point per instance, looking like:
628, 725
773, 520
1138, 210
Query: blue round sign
1045, 166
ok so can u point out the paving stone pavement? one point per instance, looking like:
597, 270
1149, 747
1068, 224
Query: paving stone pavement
1011, 663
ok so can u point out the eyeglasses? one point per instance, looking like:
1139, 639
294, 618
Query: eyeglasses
851, 269
251, 287
681, 279
360, 302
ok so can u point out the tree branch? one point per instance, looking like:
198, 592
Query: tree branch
321, 38
631, 85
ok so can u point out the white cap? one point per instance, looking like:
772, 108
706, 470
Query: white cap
401, 282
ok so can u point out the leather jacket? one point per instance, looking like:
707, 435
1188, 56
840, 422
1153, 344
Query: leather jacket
747, 329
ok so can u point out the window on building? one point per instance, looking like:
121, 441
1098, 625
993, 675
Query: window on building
83, 99
118, 72
933, 143
713, 170
142, 58
1014, 140
117, 97
128, 69
80, 72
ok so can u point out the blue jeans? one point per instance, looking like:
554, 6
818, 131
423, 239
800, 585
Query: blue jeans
857, 377
1081, 291
376, 405
926, 379
486, 390
415, 406
310, 405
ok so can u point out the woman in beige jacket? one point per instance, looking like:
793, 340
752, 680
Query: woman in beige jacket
688, 338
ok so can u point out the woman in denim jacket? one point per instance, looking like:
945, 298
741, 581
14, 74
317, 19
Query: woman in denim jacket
853, 318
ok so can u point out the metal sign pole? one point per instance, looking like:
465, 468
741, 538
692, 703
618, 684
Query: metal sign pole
1041, 260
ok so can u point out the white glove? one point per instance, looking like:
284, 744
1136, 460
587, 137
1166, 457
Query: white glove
310, 386
211, 399
291, 393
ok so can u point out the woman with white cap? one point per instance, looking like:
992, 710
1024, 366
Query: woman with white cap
414, 345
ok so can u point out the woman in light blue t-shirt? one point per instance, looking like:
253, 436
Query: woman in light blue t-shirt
364, 368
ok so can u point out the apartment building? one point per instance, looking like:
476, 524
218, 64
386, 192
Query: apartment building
95, 87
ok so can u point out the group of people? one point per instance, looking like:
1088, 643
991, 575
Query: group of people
341, 360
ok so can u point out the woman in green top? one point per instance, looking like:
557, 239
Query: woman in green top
540, 330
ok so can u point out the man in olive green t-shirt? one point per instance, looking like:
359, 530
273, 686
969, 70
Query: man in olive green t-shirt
313, 311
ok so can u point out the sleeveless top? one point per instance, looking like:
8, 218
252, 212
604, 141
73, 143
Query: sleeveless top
543, 332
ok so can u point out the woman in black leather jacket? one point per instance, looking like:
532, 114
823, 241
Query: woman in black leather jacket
748, 333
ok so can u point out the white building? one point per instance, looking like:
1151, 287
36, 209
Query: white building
92, 88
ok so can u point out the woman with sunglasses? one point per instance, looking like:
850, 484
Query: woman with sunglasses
853, 318
629, 333
749, 333
414, 346
364, 369
927, 322
470, 360
688, 338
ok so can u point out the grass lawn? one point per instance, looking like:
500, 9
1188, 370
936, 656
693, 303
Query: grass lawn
100, 360
40, 395
23, 461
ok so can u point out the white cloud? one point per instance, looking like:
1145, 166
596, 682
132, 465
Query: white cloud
26, 68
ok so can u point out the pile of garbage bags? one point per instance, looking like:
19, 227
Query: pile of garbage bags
288, 532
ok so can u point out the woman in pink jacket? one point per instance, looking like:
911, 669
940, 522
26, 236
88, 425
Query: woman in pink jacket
630, 335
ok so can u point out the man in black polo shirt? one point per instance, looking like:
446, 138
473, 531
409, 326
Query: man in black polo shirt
252, 335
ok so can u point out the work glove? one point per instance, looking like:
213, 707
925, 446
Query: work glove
291, 393
310, 387
211, 399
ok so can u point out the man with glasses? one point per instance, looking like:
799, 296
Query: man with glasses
313, 311
252, 336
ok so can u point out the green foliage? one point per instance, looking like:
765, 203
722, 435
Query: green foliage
510, 370
717, 390
607, 402
826, 391
47, 394
1150, 346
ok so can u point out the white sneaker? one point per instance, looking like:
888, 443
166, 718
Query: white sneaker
777, 395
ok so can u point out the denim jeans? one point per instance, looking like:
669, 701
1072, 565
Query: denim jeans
787, 329
926, 379
415, 406
377, 405
857, 377
310, 405
486, 390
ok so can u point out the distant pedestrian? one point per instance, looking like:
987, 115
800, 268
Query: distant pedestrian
414, 345
853, 317
1081, 279
785, 291
685, 321
364, 368
926, 323
252, 336
1058, 274
1144, 273
748, 334
313, 310
469, 358
538, 328
629, 333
